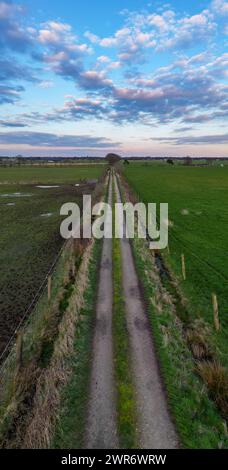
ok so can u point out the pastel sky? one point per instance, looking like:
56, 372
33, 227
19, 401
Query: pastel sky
83, 77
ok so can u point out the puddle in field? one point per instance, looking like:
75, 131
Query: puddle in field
49, 214
185, 212
8, 204
16, 195
47, 187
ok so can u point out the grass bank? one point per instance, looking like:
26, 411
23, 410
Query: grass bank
70, 428
33, 353
198, 422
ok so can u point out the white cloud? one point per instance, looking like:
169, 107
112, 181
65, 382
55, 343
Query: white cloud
92, 37
46, 84
144, 31
104, 59
220, 7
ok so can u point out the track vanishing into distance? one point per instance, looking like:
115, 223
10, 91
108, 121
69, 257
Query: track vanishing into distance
155, 427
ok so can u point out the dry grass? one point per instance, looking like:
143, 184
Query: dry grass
23, 384
216, 378
198, 338
44, 414
48, 391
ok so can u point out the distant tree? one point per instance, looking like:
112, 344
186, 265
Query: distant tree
112, 158
126, 162
188, 161
19, 159
170, 161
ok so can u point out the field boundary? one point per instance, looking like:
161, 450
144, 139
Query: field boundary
41, 335
34, 303
67, 248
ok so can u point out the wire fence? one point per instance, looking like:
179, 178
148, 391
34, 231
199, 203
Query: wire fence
190, 262
32, 306
44, 285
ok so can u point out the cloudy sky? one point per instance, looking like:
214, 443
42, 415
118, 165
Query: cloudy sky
137, 77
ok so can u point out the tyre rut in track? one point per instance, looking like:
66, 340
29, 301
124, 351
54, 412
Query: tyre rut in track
101, 429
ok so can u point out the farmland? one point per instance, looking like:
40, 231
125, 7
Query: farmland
29, 236
49, 175
198, 227
124, 352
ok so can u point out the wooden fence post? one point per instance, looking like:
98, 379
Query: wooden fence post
49, 288
183, 267
216, 312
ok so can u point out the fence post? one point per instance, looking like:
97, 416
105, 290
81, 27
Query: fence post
183, 267
216, 312
49, 288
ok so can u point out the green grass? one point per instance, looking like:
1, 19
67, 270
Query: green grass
70, 429
125, 391
49, 339
196, 417
201, 234
50, 175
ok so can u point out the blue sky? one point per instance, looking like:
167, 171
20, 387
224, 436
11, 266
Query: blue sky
140, 78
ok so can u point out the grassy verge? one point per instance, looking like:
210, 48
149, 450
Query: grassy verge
69, 432
197, 419
18, 383
125, 391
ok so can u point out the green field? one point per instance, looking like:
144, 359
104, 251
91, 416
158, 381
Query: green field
55, 175
29, 238
198, 214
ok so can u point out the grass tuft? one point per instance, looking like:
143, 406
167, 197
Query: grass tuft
216, 378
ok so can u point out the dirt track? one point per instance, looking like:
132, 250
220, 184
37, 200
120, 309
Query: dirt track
101, 430
156, 429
